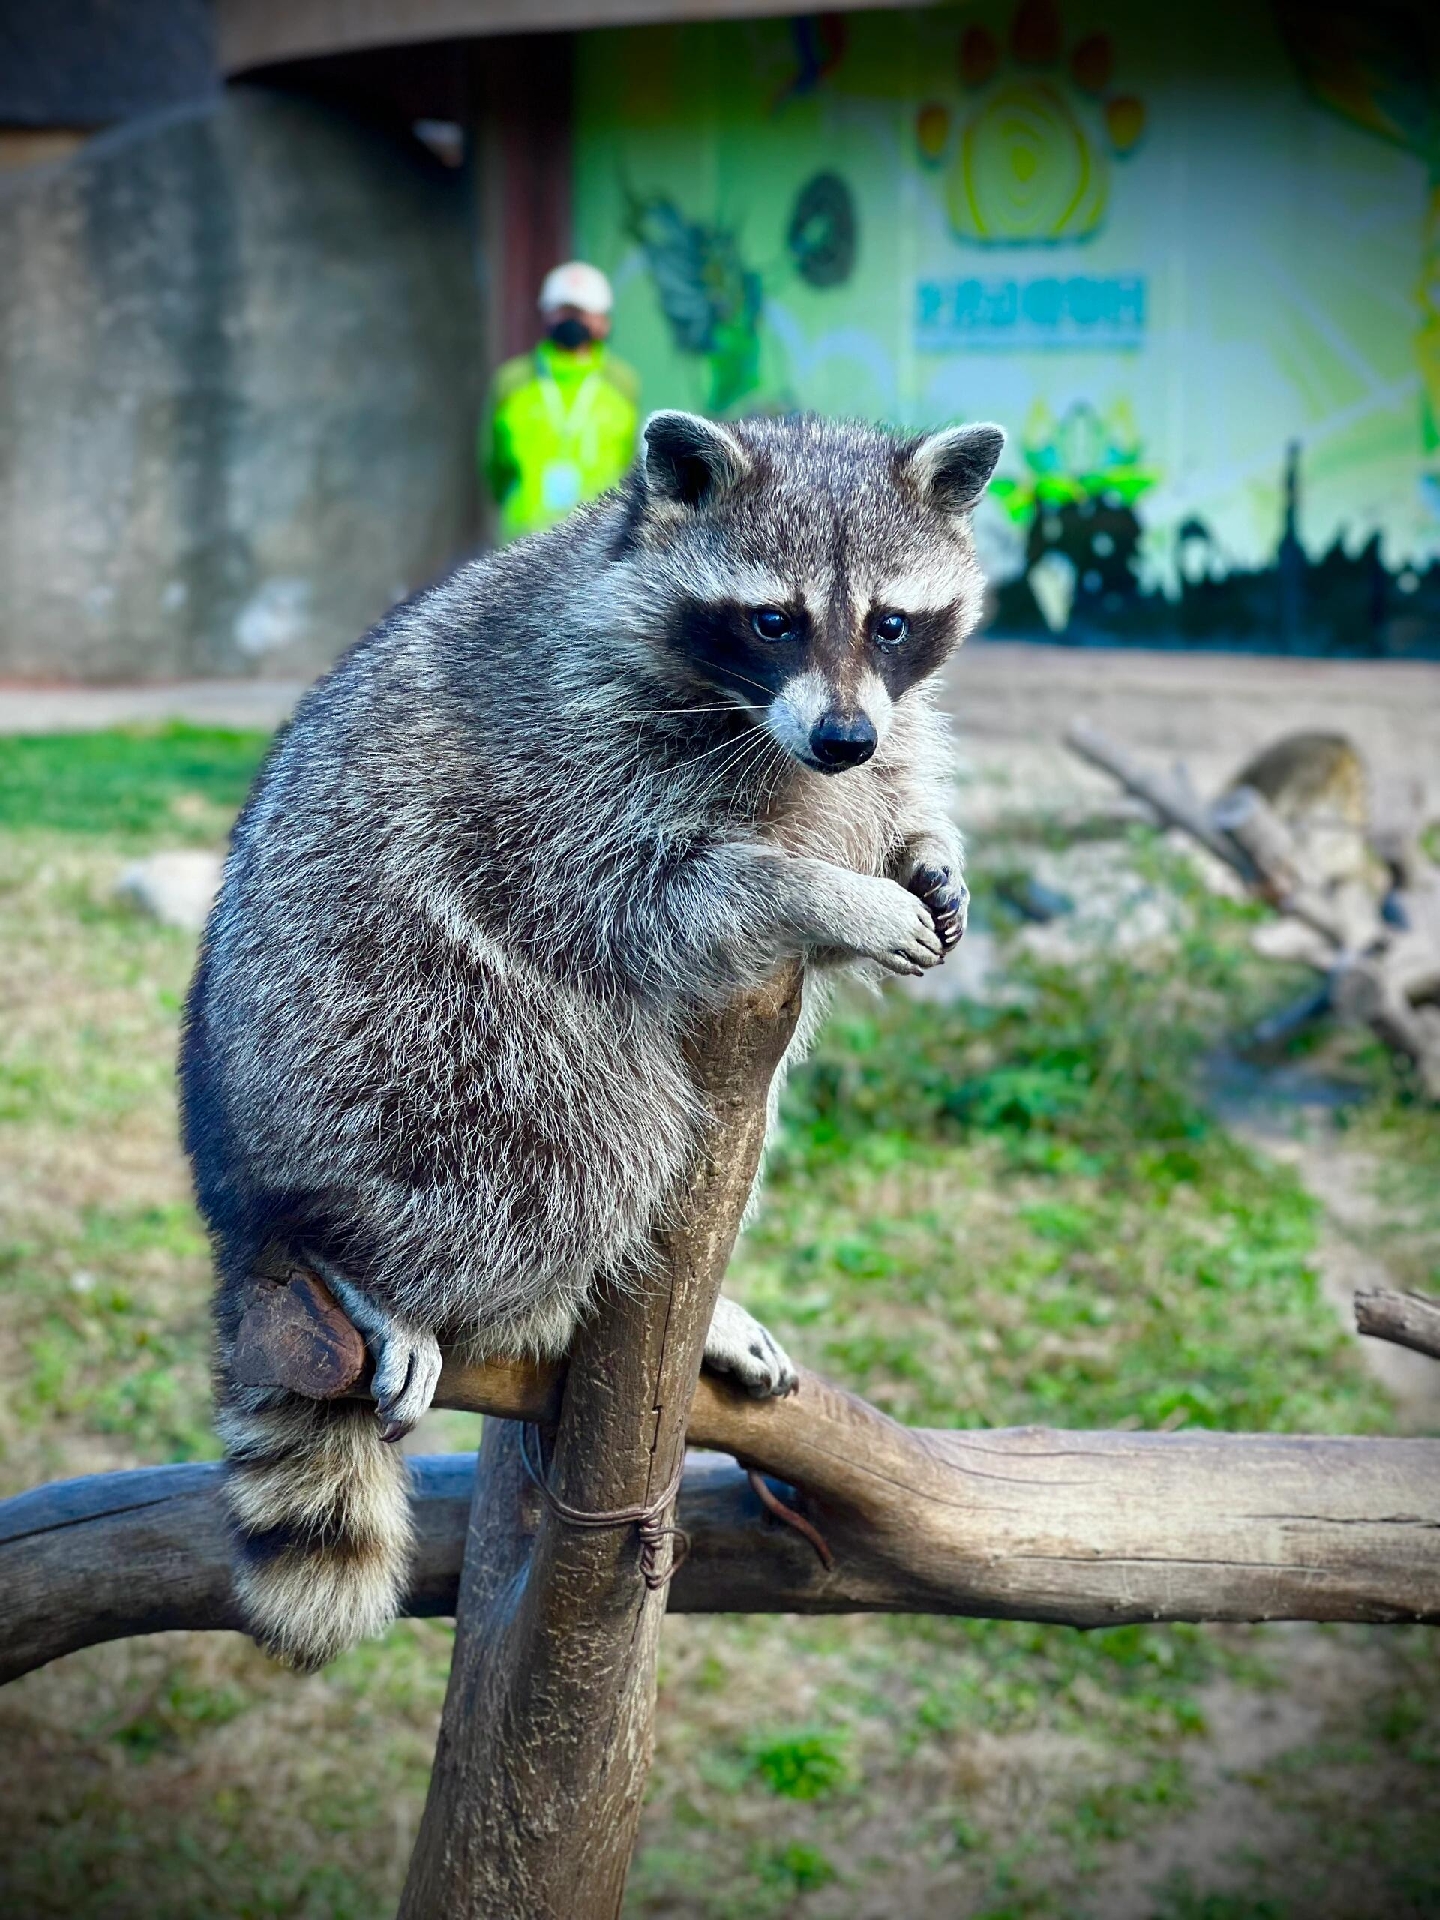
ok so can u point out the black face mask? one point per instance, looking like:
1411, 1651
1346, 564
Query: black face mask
570, 333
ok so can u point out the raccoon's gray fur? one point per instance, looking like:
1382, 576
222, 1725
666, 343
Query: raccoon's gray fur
503, 853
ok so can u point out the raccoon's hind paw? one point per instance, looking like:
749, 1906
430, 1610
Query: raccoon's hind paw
407, 1359
407, 1371
737, 1344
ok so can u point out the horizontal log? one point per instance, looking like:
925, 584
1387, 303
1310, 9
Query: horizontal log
1090, 1529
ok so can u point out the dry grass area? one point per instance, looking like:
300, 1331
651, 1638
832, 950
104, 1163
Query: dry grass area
977, 1214
105, 1262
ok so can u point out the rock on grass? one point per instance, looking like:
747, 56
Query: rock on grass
175, 888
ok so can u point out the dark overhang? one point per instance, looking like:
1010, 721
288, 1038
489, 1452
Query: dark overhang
260, 33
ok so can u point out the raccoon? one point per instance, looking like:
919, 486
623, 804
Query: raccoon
507, 851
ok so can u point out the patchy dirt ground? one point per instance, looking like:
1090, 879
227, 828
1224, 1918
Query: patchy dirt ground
1011, 703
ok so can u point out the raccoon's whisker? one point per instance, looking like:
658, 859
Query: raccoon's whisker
772, 762
758, 685
771, 778
705, 753
729, 762
681, 713
715, 771
750, 753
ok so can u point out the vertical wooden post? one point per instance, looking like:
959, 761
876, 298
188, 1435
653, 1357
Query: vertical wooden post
546, 1737
521, 87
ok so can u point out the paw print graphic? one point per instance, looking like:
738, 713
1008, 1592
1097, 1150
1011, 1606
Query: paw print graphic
1027, 155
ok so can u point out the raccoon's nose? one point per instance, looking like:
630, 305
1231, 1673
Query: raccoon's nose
838, 741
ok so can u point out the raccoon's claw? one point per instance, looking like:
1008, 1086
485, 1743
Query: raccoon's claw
947, 897
406, 1374
407, 1359
737, 1344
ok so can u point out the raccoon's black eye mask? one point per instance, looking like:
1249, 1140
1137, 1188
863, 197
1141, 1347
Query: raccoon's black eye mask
748, 651
773, 624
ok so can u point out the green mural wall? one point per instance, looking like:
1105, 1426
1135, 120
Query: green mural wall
1188, 256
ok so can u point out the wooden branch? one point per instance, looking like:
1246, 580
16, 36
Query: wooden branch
1255, 827
1176, 805
1244, 831
1407, 1319
295, 1334
1090, 1529
547, 1730
1081, 1528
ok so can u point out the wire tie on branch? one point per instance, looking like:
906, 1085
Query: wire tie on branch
649, 1521
772, 1503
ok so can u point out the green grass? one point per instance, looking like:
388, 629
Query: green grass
178, 781
974, 1215
1400, 1134
1062, 1233
802, 1765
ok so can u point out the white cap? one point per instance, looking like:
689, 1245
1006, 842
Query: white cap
576, 284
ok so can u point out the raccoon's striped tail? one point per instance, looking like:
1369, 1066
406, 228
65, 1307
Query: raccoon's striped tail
320, 1508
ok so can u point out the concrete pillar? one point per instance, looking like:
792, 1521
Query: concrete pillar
239, 372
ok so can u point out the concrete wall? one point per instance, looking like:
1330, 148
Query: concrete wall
238, 379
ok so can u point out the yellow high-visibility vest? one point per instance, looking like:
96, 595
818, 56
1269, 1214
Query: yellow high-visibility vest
560, 428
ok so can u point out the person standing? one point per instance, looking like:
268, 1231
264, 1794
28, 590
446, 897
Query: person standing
562, 420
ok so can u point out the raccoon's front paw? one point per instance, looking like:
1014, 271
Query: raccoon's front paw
932, 868
947, 897
407, 1359
896, 928
737, 1344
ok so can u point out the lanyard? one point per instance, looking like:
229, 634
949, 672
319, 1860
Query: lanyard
570, 422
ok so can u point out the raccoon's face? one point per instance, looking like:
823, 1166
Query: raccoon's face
807, 571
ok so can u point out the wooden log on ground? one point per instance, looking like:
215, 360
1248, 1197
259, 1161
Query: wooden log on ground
1244, 834
1377, 975
1406, 1319
1379, 990
1089, 1529
1250, 821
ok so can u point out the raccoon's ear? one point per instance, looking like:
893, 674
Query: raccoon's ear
691, 461
952, 467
